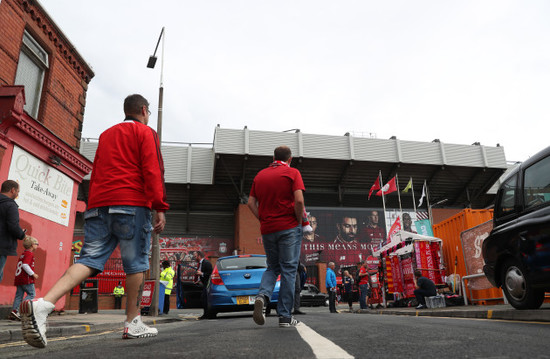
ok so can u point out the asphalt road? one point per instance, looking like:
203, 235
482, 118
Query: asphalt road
332, 336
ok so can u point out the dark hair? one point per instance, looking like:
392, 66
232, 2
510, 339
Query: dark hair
417, 273
165, 264
134, 103
342, 216
282, 153
8, 185
200, 254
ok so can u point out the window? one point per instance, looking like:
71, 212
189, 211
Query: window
536, 183
33, 62
507, 198
240, 263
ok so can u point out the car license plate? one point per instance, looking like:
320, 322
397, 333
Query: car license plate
245, 299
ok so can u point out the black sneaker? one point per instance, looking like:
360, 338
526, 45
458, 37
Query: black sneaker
259, 310
288, 322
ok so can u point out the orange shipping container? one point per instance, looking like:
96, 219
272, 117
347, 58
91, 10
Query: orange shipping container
449, 232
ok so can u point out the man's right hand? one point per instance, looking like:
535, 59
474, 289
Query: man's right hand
160, 222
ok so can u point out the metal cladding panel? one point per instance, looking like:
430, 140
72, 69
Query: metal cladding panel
229, 141
375, 150
495, 157
202, 165
421, 152
264, 143
87, 149
199, 224
463, 155
327, 147
175, 164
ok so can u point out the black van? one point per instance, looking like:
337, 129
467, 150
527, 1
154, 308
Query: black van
517, 252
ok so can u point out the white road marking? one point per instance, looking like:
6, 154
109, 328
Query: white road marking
321, 346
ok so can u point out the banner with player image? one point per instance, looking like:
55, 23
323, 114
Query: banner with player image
348, 236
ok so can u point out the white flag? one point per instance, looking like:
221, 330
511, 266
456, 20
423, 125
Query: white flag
423, 195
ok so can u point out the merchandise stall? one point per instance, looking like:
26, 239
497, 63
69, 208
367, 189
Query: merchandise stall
405, 253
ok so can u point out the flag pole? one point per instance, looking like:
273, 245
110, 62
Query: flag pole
399, 196
414, 201
382, 189
384, 205
428, 202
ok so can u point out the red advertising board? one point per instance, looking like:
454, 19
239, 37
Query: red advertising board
147, 296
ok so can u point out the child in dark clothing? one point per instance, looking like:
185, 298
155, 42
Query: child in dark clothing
24, 276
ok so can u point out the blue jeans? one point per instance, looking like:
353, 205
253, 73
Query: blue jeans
282, 250
365, 292
106, 227
21, 290
3, 260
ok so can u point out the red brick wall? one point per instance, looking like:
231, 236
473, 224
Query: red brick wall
66, 81
247, 232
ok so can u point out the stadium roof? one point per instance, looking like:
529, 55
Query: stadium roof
206, 184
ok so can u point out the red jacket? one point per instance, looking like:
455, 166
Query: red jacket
128, 168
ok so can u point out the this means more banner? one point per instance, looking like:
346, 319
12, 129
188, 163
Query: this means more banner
348, 236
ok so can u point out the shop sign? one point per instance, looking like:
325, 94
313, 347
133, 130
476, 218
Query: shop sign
43, 190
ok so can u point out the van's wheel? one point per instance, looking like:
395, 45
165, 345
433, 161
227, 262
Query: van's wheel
517, 287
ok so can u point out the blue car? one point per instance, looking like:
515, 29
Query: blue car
235, 282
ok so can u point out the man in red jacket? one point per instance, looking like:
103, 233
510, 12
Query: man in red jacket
127, 182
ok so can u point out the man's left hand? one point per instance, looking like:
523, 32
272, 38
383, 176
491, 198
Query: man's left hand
160, 222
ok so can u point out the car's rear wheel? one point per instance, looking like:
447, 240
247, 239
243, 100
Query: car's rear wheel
517, 287
211, 314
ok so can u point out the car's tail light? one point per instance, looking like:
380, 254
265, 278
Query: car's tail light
279, 278
215, 278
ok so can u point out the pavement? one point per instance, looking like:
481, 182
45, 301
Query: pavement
71, 323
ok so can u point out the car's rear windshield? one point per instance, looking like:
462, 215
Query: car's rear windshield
241, 263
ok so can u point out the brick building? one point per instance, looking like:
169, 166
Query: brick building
43, 84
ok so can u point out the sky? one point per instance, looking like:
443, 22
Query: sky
459, 71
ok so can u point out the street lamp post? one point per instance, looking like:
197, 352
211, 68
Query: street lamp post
155, 248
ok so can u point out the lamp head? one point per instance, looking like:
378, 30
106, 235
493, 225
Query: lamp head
152, 61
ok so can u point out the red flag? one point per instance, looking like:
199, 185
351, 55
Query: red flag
375, 186
396, 227
388, 188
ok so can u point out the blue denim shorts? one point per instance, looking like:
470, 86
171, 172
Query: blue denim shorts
106, 227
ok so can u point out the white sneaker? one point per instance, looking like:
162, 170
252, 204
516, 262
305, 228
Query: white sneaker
33, 321
137, 329
288, 322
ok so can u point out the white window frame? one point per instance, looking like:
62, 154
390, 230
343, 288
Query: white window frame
39, 57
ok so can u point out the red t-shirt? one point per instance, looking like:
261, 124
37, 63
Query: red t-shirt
274, 189
364, 279
21, 277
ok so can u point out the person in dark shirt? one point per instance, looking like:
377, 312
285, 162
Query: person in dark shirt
424, 288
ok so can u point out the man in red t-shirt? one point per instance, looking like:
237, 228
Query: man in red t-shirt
277, 200
373, 233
